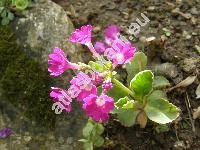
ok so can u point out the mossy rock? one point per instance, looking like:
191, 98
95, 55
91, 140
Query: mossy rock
23, 83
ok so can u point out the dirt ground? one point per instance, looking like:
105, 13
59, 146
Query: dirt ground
179, 21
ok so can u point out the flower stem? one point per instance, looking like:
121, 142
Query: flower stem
92, 49
124, 88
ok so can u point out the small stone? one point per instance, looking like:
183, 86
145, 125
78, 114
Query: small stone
167, 69
189, 64
150, 39
194, 11
27, 138
178, 1
70, 140
179, 145
151, 8
111, 6
186, 35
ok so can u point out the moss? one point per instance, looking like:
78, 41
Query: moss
9, 50
23, 82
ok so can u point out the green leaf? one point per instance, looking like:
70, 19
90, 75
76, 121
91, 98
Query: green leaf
10, 16
157, 94
96, 66
98, 141
1, 9
160, 82
4, 13
129, 105
5, 21
120, 103
1, 3
142, 84
88, 146
160, 128
99, 129
161, 111
127, 117
138, 64
21, 4
116, 93
125, 103
87, 130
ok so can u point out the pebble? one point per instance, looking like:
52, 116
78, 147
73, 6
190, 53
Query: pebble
179, 145
194, 11
189, 64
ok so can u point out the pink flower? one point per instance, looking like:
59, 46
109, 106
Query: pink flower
97, 79
107, 85
60, 95
84, 85
98, 107
86, 92
100, 47
59, 63
82, 35
120, 52
111, 33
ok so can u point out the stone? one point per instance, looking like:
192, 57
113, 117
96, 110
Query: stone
168, 70
190, 64
45, 26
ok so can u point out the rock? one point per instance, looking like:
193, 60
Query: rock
190, 64
29, 136
194, 11
179, 145
166, 69
44, 27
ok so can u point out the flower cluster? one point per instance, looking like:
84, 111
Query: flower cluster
84, 86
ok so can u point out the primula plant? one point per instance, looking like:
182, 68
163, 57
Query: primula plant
7, 7
98, 89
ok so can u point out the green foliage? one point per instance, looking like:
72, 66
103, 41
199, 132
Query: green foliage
127, 117
116, 93
144, 99
157, 94
23, 83
126, 111
9, 50
20, 4
161, 111
160, 128
100, 66
125, 103
92, 135
96, 66
142, 84
138, 64
6, 15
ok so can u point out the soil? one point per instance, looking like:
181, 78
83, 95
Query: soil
180, 18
